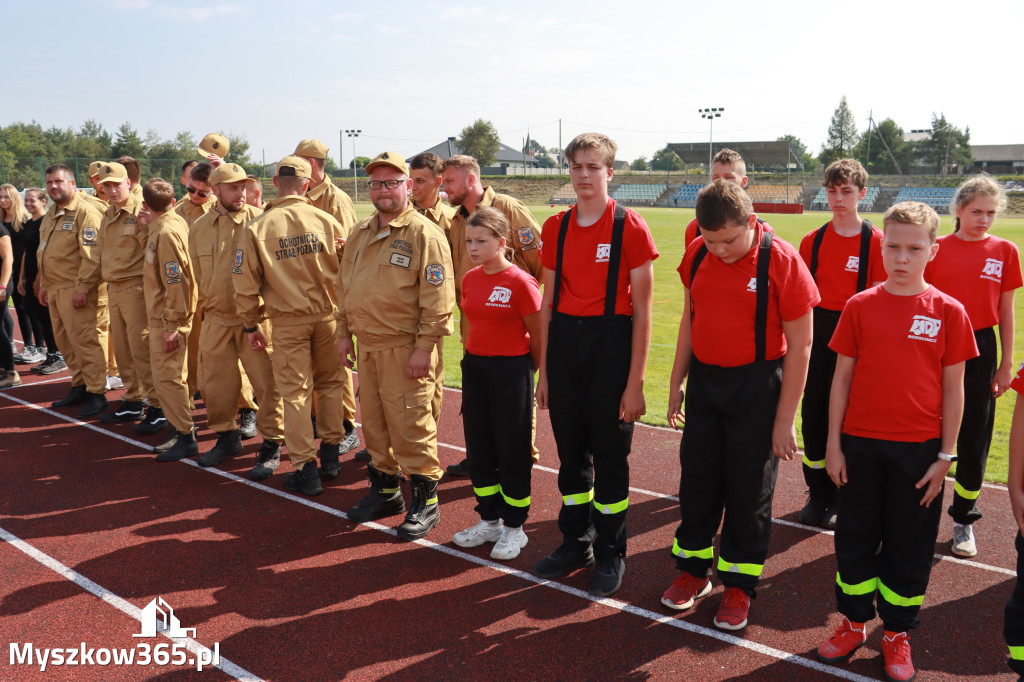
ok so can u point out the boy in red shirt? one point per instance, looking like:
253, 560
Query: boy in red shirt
888, 441
727, 165
595, 334
744, 342
845, 257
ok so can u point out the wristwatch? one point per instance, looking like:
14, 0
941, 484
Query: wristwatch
947, 457
249, 330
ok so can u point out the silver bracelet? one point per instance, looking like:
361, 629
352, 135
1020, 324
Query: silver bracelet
947, 457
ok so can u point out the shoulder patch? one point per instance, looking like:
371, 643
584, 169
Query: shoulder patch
89, 236
172, 268
435, 274
526, 235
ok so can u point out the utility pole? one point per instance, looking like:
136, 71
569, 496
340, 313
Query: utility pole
867, 160
355, 185
711, 114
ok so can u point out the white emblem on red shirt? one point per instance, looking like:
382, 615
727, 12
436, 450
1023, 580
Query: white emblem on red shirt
500, 295
853, 264
924, 328
604, 252
993, 270
752, 285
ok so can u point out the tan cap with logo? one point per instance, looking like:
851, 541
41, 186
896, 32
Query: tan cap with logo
214, 143
112, 172
94, 168
229, 172
388, 159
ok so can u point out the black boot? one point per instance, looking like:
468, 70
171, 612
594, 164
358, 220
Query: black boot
572, 554
329, 455
185, 445
267, 461
306, 480
385, 498
460, 469
229, 444
93, 404
828, 518
129, 411
153, 421
78, 394
423, 512
363, 455
248, 418
814, 510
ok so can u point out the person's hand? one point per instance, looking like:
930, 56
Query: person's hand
632, 405
145, 216
784, 440
44, 300
419, 364
347, 352
78, 299
676, 416
172, 340
1004, 375
835, 465
215, 160
257, 341
933, 478
21, 287
541, 394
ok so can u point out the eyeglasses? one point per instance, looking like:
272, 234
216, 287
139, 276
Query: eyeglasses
201, 195
390, 184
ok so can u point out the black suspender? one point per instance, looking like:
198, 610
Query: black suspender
865, 251
614, 259
764, 257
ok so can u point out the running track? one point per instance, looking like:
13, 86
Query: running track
93, 530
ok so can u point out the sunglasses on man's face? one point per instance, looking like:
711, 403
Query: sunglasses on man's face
193, 190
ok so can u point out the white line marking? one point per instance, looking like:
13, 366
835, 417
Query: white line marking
125, 607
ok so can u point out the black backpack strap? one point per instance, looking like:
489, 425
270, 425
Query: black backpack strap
819, 236
764, 257
865, 250
614, 259
701, 252
563, 230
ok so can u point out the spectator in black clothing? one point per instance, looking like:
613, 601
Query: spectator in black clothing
8, 377
13, 216
28, 286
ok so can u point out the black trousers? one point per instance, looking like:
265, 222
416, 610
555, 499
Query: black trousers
975, 436
879, 504
40, 315
497, 419
726, 464
1013, 617
587, 369
814, 408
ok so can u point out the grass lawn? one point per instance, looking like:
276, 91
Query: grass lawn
667, 227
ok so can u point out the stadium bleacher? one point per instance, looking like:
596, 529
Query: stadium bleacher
938, 198
565, 195
638, 194
773, 194
686, 196
820, 201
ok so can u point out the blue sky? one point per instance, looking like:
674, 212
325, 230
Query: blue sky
410, 74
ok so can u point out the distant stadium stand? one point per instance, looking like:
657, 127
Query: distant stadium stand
773, 194
686, 196
820, 201
565, 195
638, 194
936, 197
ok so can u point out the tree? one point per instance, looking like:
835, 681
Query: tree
947, 146
800, 154
359, 162
128, 143
883, 149
480, 141
842, 135
640, 164
238, 147
666, 159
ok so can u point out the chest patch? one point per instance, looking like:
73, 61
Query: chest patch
238, 262
401, 260
604, 252
67, 227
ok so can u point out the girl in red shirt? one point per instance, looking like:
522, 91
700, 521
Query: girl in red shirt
502, 304
981, 271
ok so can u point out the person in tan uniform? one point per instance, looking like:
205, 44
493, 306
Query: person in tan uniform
69, 272
326, 196
223, 346
99, 199
170, 290
134, 175
461, 176
122, 247
254, 192
289, 256
395, 293
99, 202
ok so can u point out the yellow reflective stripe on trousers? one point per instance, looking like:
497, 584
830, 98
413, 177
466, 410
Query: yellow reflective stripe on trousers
708, 553
898, 600
866, 587
432, 500
1017, 653
390, 491
578, 498
814, 464
489, 490
965, 493
746, 569
513, 502
613, 508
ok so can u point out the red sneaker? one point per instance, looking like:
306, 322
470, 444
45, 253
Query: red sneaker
732, 613
684, 590
847, 638
896, 650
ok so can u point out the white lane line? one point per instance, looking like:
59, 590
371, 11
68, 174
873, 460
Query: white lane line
125, 607
610, 603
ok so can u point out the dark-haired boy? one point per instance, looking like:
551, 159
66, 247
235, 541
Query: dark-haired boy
889, 442
845, 257
744, 343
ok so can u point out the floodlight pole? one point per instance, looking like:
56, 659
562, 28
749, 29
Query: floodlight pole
354, 134
711, 114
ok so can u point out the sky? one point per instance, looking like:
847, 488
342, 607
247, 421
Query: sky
411, 74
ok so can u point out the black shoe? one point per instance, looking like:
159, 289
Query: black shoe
77, 395
363, 455
828, 517
267, 461
152, 422
329, 464
607, 578
185, 445
460, 469
351, 440
166, 445
129, 411
198, 395
424, 513
228, 444
813, 511
248, 428
564, 560
385, 498
306, 480
54, 364
93, 405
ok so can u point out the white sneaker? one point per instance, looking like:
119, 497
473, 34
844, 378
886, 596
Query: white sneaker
511, 541
963, 541
485, 531
114, 383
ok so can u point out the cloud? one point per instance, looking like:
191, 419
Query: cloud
201, 13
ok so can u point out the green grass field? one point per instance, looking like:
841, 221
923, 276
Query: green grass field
667, 227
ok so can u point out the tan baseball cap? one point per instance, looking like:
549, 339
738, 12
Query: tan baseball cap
214, 143
314, 149
295, 167
388, 159
94, 168
229, 172
112, 172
